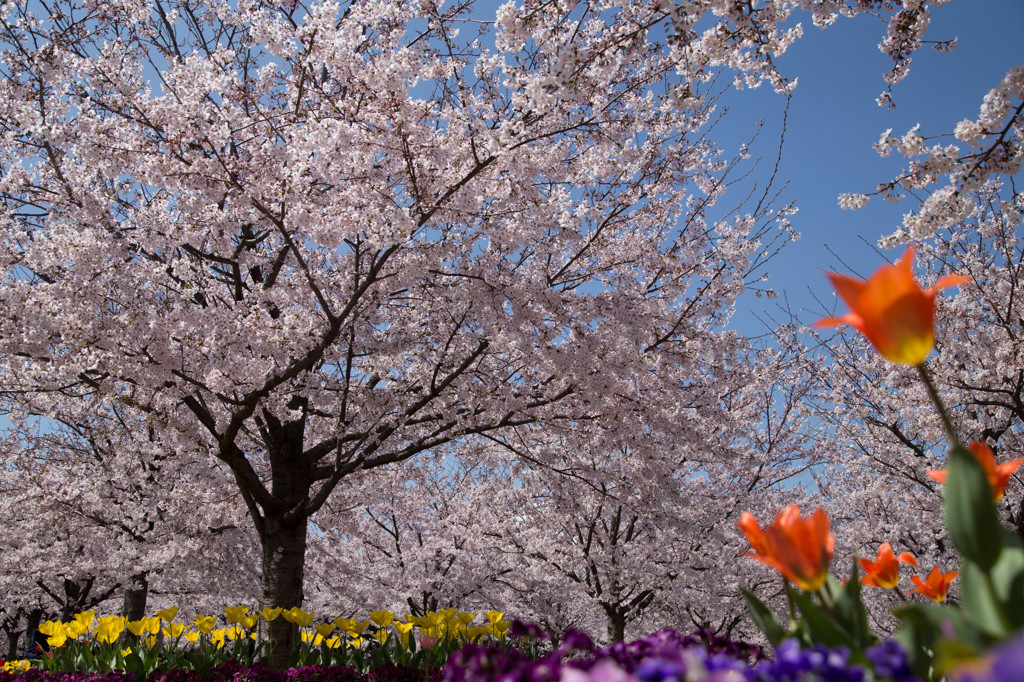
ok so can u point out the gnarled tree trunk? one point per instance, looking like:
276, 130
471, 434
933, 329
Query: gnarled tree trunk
136, 593
284, 556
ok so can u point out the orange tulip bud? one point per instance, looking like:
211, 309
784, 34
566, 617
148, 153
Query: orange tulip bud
798, 548
891, 310
884, 571
998, 474
936, 585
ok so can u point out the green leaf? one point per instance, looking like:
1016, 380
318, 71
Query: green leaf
1008, 579
979, 600
822, 628
87, 659
943, 621
850, 611
970, 515
937, 636
764, 618
133, 664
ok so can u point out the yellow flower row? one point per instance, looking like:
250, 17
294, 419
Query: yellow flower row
445, 624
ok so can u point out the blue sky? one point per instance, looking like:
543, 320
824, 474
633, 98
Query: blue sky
834, 121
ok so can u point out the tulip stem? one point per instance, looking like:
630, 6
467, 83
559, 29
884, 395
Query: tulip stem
933, 393
827, 598
900, 592
789, 600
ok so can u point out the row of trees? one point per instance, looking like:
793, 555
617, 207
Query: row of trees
388, 303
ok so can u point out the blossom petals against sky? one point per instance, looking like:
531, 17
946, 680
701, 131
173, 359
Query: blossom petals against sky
834, 122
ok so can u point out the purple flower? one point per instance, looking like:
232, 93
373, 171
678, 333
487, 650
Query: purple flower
889, 660
605, 670
520, 629
819, 663
1005, 663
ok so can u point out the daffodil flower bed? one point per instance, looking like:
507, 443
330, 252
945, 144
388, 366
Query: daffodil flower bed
98, 644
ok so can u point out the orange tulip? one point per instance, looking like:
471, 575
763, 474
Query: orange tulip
936, 585
998, 474
891, 309
798, 548
884, 571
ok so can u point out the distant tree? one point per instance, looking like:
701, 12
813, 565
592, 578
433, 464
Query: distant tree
95, 508
409, 541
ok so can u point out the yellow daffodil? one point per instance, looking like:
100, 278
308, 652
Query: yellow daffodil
58, 640
84, 619
174, 630
298, 617
403, 630
271, 614
51, 628
76, 628
205, 624
109, 628
168, 614
357, 627
234, 613
381, 618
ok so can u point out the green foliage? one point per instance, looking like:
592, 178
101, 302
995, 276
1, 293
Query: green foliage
971, 518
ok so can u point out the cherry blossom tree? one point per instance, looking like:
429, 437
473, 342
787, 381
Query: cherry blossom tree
410, 540
313, 239
638, 540
318, 240
560, 531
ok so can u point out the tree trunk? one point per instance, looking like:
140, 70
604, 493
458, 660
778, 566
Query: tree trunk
284, 557
76, 593
616, 622
13, 637
35, 616
135, 595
